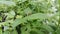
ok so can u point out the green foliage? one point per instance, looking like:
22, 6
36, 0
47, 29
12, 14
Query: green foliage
29, 17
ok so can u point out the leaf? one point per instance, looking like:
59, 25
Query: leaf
35, 31
17, 22
37, 16
6, 32
28, 11
0, 18
8, 3
58, 31
48, 28
21, 1
1, 30
14, 32
10, 15
31, 17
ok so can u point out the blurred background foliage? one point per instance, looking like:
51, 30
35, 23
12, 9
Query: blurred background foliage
29, 17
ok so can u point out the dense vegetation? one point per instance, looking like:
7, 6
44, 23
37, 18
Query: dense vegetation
29, 17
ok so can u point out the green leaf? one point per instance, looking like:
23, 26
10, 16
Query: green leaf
8, 3
48, 28
58, 31
6, 32
17, 22
10, 15
31, 17
1, 30
37, 16
0, 18
35, 31
14, 32
28, 11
